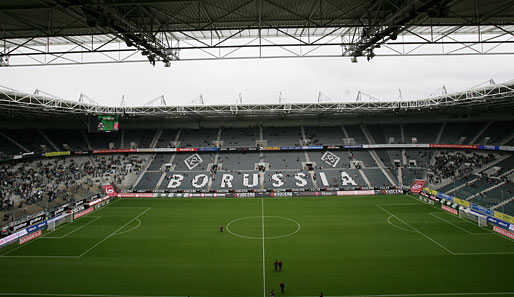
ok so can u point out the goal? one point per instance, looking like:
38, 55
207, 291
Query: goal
68, 218
481, 220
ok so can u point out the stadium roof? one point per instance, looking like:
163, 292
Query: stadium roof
55, 32
14, 104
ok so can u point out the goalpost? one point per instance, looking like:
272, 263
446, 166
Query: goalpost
481, 220
68, 218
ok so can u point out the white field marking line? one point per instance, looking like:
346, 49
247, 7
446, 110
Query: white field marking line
388, 220
8, 252
65, 235
23, 245
426, 236
61, 257
383, 295
108, 236
471, 233
495, 233
133, 228
260, 238
263, 255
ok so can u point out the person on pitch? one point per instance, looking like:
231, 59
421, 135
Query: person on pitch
276, 265
280, 265
221, 228
282, 286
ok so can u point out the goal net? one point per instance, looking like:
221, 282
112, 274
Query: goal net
68, 218
479, 219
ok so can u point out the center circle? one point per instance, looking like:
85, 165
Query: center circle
252, 227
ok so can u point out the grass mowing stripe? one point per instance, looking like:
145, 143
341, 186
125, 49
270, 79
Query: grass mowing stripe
426, 236
263, 255
114, 232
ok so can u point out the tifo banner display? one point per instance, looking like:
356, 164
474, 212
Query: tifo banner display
109, 190
30, 236
417, 186
450, 210
503, 232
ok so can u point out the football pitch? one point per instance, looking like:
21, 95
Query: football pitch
342, 246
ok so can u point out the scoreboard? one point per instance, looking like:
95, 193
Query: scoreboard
103, 123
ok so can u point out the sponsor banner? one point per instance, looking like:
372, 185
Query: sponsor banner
287, 148
313, 147
444, 196
83, 213
272, 148
56, 154
355, 193
282, 194
135, 195
99, 200
503, 232
156, 150
30, 237
417, 186
506, 148
17, 157
431, 192
489, 147
37, 227
461, 202
505, 217
355, 146
20, 226
481, 209
9, 238
449, 209
113, 151
245, 195
209, 149
390, 192
36, 220
78, 209
456, 146
56, 218
186, 149
498, 222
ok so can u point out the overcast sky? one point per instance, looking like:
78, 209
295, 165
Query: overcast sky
261, 81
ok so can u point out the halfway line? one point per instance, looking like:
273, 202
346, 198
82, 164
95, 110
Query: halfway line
263, 256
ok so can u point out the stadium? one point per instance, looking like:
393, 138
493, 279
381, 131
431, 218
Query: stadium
357, 198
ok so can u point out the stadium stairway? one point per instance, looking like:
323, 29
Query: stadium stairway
14, 142
84, 135
494, 186
498, 206
379, 162
476, 172
475, 139
48, 140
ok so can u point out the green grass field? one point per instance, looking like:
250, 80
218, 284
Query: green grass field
342, 246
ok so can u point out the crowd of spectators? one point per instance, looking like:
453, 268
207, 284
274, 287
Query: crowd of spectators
454, 164
42, 182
